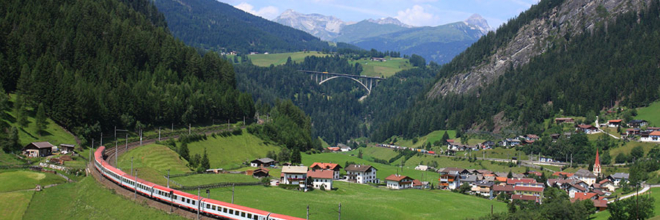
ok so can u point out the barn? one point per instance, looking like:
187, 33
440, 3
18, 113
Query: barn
38, 149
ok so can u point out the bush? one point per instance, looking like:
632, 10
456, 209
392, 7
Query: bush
323, 187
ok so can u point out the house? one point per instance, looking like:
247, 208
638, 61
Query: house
653, 137
585, 176
606, 184
344, 148
535, 173
600, 204
38, 149
266, 162
614, 123
417, 184
584, 196
514, 181
378, 59
509, 142
618, 177
536, 199
564, 120
568, 135
294, 175
575, 188
422, 167
361, 174
334, 149
587, 129
487, 145
396, 181
67, 148
637, 123
469, 179
529, 189
321, 179
483, 188
633, 131
449, 181
490, 177
532, 137
554, 137
336, 168
497, 189
261, 172
562, 173
501, 179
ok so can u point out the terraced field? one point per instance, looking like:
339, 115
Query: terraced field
14, 204
229, 152
13, 180
152, 162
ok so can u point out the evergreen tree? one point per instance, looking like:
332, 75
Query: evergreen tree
510, 175
4, 99
11, 144
295, 156
445, 137
205, 161
41, 119
184, 152
20, 111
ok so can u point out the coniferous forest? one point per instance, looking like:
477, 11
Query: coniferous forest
98, 64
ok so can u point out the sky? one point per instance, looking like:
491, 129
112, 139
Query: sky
412, 12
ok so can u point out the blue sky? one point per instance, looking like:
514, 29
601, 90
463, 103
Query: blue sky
413, 12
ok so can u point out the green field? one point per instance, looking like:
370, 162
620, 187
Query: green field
629, 146
152, 162
650, 114
53, 133
362, 202
13, 180
87, 199
430, 137
9, 159
382, 69
265, 60
229, 152
204, 179
383, 170
378, 152
14, 204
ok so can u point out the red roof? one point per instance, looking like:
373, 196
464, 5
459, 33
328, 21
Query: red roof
450, 141
334, 148
417, 183
505, 188
558, 173
321, 174
525, 197
600, 203
501, 178
325, 166
396, 177
604, 181
615, 121
583, 126
655, 133
528, 188
513, 181
584, 196
597, 163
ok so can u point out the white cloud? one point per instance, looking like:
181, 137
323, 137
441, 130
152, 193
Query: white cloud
268, 12
416, 16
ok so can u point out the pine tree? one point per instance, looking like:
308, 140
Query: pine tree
205, 161
295, 156
445, 137
41, 119
184, 152
20, 112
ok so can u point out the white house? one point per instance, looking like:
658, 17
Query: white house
450, 181
266, 162
335, 168
652, 137
618, 177
509, 142
321, 178
361, 173
293, 175
344, 148
614, 123
585, 176
396, 181
574, 188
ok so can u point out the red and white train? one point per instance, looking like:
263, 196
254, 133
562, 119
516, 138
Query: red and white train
181, 199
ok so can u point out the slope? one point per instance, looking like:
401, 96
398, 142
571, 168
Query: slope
365, 29
210, 24
231, 151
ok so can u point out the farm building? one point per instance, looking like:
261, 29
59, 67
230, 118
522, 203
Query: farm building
261, 172
266, 162
564, 120
67, 148
321, 179
38, 149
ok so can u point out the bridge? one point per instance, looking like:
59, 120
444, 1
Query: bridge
366, 81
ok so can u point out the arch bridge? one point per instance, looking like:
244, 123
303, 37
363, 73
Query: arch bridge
365, 81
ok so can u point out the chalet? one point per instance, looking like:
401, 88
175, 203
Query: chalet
535, 173
449, 181
469, 179
536, 199
585, 176
38, 149
564, 120
483, 188
361, 174
584, 196
378, 59
417, 184
487, 145
321, 179
653, 137
652, 129
514, 181
508, 189
261, 172
266, 162
335, 168
344, 148
575, 188
510, 142
490, 177
293, 175
532, 137
67, 148
554, 137
587, 129
600, 204
614, 123
396, 181
637, 123
454, 170
618, 177
562, 173
606, 185
456, 146
529, 189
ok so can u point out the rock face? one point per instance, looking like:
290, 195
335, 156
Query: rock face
479, 23
389, 20
321, 26
573, 17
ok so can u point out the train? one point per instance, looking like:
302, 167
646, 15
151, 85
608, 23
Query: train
194, 203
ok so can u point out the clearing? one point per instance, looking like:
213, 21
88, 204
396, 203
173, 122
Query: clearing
382, 69
265, 60
650, 114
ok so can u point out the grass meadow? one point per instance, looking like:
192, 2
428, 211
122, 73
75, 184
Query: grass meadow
152, 162
650, 114
382, 69
203, 179
231, 151
265, 60
361, 202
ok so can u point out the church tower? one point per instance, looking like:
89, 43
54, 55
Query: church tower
597, 170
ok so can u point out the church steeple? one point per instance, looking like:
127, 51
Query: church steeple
597, 169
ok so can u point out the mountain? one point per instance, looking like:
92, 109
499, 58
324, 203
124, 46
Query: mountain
210, 24
571, 57
324, 27
366, 29
476, 21
439, 44
389, 20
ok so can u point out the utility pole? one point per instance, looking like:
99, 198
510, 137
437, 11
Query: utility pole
135, 185
90, 151
101, 139
171, 200
189, 128
307, 212
140, 136
208, 193
116, 153
232, 193
340, 211
131, 165
158, 133
198, 203
115, 132
168, 178
126, 142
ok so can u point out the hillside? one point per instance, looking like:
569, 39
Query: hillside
214, 25
231, 151
366, 29
526, 95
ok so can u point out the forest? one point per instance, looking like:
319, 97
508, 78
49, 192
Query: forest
616, 63
94, 65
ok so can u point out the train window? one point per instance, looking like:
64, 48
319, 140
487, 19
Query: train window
231, 212
249, 215
208, 206
214, 208
256, 217
225, 210
243, 214
193, 202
